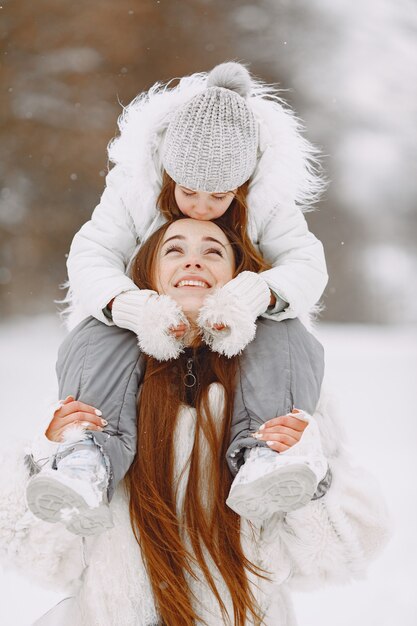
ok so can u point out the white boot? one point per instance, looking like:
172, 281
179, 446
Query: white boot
270, 482
75, 492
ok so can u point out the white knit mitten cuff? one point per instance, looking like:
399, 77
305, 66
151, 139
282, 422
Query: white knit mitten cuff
150, 316
128, 306
251, 290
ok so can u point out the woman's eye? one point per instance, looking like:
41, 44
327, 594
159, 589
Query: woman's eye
187, 194
214, 251
219, 197
173, 249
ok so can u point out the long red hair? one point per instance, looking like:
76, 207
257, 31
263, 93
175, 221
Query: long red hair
212, 529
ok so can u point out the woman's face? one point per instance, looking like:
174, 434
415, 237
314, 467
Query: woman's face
195, 258
201, 205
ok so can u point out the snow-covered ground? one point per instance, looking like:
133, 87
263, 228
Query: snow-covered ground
374, 373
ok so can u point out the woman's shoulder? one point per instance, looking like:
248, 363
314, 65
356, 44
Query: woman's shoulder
97, 344
92, 330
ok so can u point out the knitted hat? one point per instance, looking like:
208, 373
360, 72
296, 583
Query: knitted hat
211, 142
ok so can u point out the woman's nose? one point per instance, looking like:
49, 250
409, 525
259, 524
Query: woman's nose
193, 259
193, 262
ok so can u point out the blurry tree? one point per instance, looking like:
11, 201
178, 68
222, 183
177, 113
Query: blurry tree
66, 68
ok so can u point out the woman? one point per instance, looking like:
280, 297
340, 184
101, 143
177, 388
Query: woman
197, 562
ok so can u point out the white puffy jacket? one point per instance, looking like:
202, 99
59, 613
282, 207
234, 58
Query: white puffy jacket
329, 540
283, 183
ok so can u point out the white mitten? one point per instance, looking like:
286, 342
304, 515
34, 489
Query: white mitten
150, 316
236, 306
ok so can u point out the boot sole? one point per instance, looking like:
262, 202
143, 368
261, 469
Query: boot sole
286, 489
47, 498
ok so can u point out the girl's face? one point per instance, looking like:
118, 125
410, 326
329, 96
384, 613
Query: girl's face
200, 205
195, 258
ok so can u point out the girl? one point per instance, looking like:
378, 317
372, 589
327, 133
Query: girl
224, 147
197, 562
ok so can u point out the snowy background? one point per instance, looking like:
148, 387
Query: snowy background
373, 374
350, 71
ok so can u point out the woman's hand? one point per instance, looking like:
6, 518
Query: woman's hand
283, 432
72, 412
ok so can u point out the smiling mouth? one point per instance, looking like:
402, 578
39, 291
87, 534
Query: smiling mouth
193, 283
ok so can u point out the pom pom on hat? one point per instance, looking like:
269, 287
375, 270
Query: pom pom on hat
233, 76
211, 143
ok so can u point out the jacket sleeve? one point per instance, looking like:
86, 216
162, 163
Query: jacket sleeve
299, 273
101, 250
45, 553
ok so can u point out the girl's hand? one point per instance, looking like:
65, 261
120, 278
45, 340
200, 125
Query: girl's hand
72, 412
219, 327
283, 432
179, 331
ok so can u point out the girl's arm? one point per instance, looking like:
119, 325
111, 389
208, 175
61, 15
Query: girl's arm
101, 251
297, 281
299, 273
98, 259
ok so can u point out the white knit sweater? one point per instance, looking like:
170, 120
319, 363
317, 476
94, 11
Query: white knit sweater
330, 539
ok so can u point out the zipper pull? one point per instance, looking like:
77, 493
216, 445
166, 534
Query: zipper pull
189, 378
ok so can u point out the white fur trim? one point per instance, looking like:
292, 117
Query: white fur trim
336, 536
45, 553
74, 433
160, 314
330, 539
224, 308
72, 312
150, 317
287, 168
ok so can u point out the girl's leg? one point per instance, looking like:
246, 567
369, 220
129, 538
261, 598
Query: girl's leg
280, 370
103, 367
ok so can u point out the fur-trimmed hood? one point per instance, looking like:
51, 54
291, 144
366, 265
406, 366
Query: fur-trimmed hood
285, 182
287, 169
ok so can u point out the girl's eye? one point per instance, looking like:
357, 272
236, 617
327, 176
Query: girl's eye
188, 194
218, 197
173, 248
